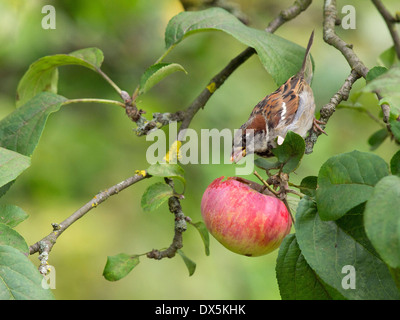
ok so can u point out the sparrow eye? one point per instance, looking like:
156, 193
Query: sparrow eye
243, 142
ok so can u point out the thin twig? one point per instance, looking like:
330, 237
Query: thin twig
218, 80
330, 37
358, 70
47, 243
385, 110
159, 120
328, 109
390, 22
362, 110
94, 100
281, 194
180, 227
213, 85
112, 83
265, 183
288, 14
187, 116
297, 193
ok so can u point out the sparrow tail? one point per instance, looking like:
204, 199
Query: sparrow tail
310, 42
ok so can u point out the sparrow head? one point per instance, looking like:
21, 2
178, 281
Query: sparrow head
252, 137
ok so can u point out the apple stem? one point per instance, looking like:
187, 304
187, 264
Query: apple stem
266, 183
278, 194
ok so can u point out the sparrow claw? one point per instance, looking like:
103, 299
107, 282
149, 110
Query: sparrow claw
316, 126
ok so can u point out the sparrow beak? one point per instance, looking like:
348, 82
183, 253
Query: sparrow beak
237, 154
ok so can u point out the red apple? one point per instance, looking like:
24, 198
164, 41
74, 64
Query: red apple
242, 219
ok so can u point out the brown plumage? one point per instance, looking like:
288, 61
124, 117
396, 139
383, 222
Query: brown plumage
290, 107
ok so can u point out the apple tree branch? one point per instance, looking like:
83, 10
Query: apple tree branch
45, 245
358, 70
187, 115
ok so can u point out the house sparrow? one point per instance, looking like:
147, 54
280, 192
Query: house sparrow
290, 107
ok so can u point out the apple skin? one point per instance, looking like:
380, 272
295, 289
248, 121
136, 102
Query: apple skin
242, 219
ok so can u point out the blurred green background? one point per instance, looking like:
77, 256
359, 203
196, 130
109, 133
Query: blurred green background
86, 148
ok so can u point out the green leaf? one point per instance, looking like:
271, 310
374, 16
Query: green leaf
12, 215
395, 128
19, 278
167, 170
12, 238
388, 57
296, 279
191, 266
309, 185
290, 151
280, 57
201, 228
347, 180
388, 86
375, 72
42, 75
91, 58
395, 164
382, 220
156, 73
155, 195
393, 100
119, 266
12, 164
293, 203
21, 130
330, 246
353, 224
266, 164
395, 272
377, 138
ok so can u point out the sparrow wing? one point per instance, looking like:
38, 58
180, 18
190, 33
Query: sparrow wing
280, 107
